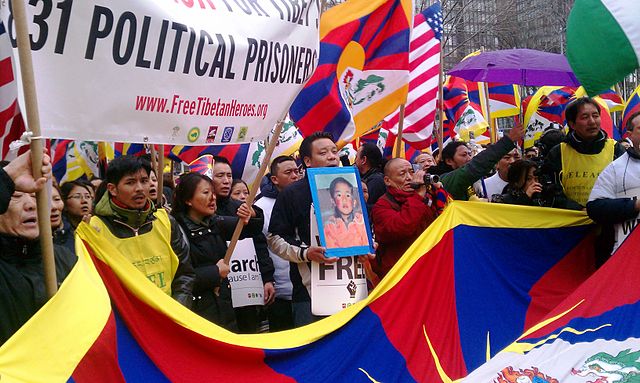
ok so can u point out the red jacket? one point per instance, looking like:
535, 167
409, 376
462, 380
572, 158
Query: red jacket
398, 220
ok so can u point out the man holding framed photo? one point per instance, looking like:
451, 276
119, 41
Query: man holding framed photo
290, 235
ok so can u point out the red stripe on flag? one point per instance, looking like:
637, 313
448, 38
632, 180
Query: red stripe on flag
6, 71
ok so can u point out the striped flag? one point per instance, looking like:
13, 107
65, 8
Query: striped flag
631, 106
424, 66
11, 123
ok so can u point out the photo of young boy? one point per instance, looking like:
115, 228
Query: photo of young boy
338, 202
345, 228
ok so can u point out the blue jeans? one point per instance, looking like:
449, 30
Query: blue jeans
302, 314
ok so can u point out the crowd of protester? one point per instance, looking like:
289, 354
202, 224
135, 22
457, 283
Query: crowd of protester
583, 169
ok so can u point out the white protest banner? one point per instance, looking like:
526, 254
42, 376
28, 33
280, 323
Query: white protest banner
189, 72
244, 277
337, 286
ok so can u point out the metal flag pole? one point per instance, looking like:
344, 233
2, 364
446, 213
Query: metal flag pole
160, 174
37, 145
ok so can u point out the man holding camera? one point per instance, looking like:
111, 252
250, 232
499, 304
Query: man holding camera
402, 213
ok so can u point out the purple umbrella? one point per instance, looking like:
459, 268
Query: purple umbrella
517, 66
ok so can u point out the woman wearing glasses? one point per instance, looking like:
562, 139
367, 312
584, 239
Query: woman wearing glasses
78, 205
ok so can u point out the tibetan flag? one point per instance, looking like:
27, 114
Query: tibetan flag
11, 123
203, 165
424, 63
504, 100
546, 110
603, 41
363, 69
128, 149
592, 336
614, 100
631, 106
464, 114
467, 288
235, 153
71, 160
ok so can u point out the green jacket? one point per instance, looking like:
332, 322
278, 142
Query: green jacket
457, 182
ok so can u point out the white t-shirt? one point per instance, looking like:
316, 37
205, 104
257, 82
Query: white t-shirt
492, 185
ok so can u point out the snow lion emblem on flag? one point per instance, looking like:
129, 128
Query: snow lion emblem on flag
606, 368
533, 375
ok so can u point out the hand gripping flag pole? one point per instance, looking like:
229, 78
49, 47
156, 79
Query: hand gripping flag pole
33, 124
254, 186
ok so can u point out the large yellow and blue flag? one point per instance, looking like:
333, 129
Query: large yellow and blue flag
363, 69
468, 287
592, 336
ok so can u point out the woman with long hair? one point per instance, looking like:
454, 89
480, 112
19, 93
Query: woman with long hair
194, 207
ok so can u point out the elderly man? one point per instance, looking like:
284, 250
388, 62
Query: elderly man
424, 161
402, 214
22, 288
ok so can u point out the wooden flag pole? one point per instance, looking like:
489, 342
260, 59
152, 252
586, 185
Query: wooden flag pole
254, 187
398, 145
37, 145
160, 173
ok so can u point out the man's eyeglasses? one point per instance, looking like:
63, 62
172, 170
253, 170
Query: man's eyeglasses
81, 197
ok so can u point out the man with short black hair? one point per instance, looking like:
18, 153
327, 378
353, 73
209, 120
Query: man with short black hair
369, 164
247, 316
574, 165
488, 187
284, 172
290, 227
150, 239
458, 170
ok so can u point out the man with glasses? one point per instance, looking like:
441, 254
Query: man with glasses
283, 172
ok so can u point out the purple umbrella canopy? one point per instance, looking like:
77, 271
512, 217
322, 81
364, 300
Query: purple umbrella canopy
517, 66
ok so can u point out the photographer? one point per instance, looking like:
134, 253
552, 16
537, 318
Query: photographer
523, 187
402, 213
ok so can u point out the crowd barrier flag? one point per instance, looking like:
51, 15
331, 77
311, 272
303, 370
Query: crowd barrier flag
592, 336
467, 288
603, 42
169, 72
363, 72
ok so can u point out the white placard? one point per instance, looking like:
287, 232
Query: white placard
172, 71
337, 286
245, 280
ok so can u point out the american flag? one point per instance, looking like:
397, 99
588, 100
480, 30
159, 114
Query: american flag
11, 124
424, 64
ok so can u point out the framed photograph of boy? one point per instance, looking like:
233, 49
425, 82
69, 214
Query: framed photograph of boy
343, 224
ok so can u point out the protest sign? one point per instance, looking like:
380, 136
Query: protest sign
244, 277
189, 72
337, 286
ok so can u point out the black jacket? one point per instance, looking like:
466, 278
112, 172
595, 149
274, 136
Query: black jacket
552, 166
290, 221
22, 288
375, 183
228, 207
140, 223
7, 187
